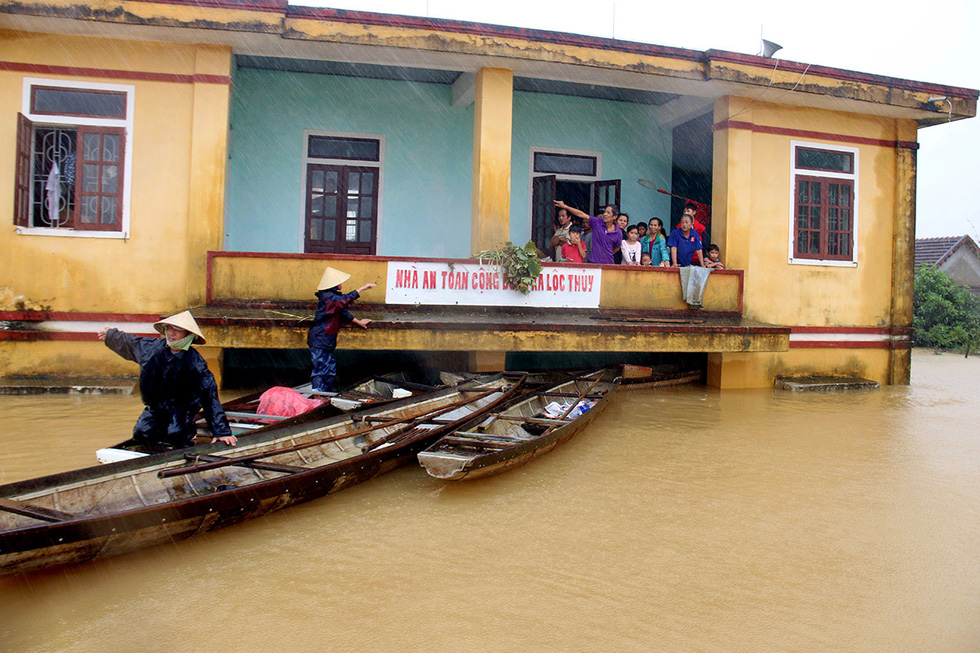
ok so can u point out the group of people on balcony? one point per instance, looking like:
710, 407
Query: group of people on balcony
610, 239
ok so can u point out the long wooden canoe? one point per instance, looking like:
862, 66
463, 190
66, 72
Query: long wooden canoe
243, 416
505, 439
106, 510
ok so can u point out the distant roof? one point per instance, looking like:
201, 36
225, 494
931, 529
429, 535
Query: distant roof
937, 250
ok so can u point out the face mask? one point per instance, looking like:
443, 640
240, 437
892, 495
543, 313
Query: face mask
183, 344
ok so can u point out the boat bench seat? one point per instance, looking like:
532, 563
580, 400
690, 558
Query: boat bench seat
36, 512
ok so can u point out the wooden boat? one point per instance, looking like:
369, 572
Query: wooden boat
106, 510
636, 377
520, 433
243, 416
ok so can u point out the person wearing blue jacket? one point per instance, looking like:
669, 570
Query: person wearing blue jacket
331, 312
655, 243
175, 383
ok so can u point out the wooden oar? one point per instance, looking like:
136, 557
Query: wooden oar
415, 420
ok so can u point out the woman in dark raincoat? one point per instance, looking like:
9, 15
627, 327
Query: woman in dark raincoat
331, 311
175, 383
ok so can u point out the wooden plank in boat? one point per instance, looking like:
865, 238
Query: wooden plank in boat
491, 436
532, 420
37, 512
374, 419
238, 415
569, 394
266, 467
483, 442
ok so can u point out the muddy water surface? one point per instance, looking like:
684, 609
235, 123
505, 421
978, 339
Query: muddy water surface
683, 520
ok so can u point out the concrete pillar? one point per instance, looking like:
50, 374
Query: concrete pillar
731, 191
208, 157
731, 213
215, 358
487, 361
493, 111
903, 247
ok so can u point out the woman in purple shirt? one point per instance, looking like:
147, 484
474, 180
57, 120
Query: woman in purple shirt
606, 236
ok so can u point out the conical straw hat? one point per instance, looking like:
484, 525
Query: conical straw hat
183, 321
332, 277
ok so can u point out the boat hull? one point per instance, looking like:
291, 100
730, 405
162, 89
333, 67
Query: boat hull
459, 457
448, 470
59, 533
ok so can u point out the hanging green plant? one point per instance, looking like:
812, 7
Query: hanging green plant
519, 265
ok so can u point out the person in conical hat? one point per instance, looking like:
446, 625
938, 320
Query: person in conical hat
175, 383
183, 321
331, 312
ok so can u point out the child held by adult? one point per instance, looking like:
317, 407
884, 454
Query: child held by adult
560, 237
606, 236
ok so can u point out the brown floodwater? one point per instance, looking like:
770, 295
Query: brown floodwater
684, 519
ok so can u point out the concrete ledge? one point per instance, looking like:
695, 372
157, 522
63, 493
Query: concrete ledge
824, 383
71, 385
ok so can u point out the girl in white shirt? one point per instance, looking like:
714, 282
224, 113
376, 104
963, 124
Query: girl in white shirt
631, 246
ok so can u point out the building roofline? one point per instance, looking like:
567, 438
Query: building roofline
965, 98
489, 29
844, 75
958, 243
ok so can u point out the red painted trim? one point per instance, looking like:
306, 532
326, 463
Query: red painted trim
420, 259
842, 74
741, 289
106, 73
30, 336
209, 295
209, 283
816, 329
858, 344
841, 344
802, 133
63, 316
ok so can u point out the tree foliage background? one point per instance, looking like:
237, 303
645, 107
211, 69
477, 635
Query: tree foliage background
945, 315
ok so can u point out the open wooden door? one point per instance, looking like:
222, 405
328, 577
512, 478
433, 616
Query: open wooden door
543, 211
605, 193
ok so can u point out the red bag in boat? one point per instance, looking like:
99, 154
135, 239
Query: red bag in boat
285, 402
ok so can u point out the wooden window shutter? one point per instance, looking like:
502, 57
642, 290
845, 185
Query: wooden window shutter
22, 180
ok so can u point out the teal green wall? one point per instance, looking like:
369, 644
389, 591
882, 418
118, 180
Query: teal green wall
632, 143
428, 159
427, 173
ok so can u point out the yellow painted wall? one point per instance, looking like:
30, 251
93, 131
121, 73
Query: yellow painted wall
752, 195
177, 190
62, 358
759, 369
295, 278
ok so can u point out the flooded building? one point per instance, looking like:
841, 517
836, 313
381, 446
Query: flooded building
216, 155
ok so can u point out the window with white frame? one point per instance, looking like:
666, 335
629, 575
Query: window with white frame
823, 228
73, 158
